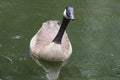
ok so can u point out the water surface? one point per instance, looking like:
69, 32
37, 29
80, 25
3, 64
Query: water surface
94, 34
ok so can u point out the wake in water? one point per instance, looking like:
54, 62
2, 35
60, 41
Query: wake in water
52, 69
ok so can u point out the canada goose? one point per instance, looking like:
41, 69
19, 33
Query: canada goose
51, 42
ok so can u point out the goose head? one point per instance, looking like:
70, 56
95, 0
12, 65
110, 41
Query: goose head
69, 13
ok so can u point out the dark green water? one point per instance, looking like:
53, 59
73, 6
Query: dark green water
94, 34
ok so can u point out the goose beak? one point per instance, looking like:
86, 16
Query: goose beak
71, 13
72, 17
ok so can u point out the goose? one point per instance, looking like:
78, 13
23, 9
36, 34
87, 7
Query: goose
51, 42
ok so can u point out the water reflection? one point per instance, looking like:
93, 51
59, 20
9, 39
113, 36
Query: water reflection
52, 69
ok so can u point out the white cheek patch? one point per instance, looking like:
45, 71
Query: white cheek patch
65, 15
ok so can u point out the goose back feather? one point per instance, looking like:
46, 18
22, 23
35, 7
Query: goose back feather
42, 47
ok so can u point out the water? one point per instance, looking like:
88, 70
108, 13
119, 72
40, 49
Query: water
94, 35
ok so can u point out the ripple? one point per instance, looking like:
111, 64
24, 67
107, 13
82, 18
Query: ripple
17, 37
112, 54
9, 59
22, 58
0, 45
5, 4
114, 69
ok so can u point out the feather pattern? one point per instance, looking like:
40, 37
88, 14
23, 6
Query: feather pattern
42, 47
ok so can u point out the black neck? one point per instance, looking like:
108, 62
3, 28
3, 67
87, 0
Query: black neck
63, 27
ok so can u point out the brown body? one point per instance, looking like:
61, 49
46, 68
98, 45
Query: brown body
42, 47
